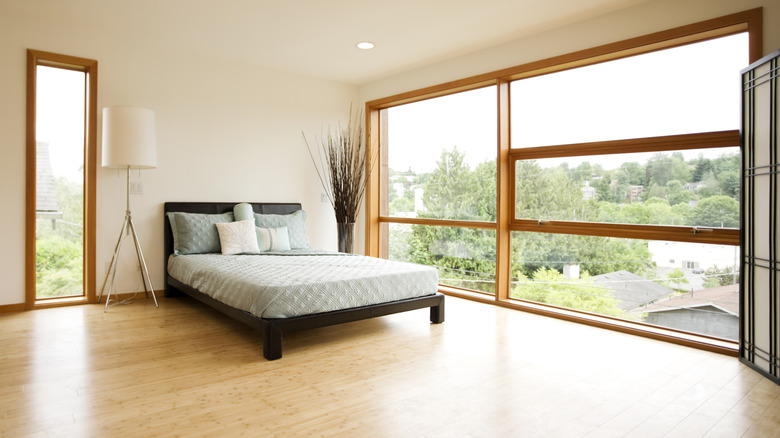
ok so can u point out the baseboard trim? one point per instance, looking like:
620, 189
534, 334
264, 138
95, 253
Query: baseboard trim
48, 304
9, 308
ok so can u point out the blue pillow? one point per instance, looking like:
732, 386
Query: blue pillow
196, 233
272, 239
242, 212
295, 223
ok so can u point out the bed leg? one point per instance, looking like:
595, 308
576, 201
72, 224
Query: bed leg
437, 313
272, 342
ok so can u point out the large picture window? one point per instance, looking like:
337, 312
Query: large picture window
603, 185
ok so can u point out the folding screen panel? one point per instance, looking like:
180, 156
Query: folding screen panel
760, 271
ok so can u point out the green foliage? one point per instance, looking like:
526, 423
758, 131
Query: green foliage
729, 183
400, 205
546, 193
59, 245
551, 287
662, 168
677, 278
677, 194
715, 276
450, 190
596, 255
716, 211
466, 257
59, 267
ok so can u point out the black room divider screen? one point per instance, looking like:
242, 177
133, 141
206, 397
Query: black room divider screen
760, 270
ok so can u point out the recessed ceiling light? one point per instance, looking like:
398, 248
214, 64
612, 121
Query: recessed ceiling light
365, 45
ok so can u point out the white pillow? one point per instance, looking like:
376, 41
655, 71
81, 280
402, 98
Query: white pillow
238, 237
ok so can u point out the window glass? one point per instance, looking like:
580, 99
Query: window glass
465, 257
59, 206
692, 88
686, 286
441, 157
697, 187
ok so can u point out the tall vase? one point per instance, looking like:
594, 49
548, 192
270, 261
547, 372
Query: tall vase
345, 233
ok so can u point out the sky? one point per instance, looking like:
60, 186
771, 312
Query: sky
629, 98
60, 119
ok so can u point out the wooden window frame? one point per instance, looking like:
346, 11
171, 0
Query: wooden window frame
693, 234
37, 58
750, 21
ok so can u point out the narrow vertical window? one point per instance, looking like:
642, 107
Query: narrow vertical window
60, 174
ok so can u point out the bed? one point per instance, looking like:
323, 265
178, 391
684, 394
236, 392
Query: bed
265, 314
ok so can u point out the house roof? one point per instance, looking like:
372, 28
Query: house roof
631, 290
45, 186
723, 298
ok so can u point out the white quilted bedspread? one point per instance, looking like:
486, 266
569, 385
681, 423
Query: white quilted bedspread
281, 286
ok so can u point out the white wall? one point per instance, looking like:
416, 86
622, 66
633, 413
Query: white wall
225, 132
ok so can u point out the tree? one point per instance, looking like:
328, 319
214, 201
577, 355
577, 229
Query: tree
401, 205
677, 277
59, 266
633, 172
716, 211
449, 191
546, 193
551, 287
703, 165
729, 183
711, 186
485, 177
654, 191
677, 193
715, 276
635, 214
662, 168
464, 256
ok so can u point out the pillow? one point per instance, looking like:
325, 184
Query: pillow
295, 223
243, 211
237, 237
273, 239
172, 221
195, 233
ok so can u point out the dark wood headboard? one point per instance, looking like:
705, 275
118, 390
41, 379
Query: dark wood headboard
214, 208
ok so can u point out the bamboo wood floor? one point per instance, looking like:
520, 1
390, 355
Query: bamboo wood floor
184, 370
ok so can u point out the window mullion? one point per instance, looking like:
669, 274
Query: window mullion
504, 192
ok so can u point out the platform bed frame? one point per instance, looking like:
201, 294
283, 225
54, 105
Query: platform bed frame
274, 329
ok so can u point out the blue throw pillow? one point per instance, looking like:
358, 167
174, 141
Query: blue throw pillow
196, 233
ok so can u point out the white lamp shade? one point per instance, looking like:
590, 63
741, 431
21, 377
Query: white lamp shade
128, 138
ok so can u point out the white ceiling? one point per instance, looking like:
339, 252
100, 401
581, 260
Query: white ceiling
318, 37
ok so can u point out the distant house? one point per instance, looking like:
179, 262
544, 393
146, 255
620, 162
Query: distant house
47, 206
713, 312
686, 255
694, 186
635, 193
588, 192
632, 291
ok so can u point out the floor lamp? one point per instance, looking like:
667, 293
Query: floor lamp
128, 143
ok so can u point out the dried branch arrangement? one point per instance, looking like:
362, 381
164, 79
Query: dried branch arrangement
340, 162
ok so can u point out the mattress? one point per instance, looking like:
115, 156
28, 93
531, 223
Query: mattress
295, 283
